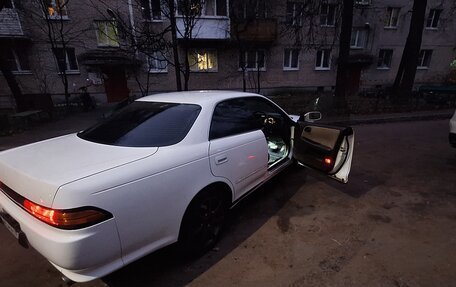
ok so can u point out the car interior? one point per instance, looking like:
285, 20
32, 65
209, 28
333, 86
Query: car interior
277, 137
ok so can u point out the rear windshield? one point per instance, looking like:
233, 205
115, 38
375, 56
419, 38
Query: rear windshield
145, 124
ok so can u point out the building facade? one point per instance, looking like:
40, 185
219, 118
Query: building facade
127, 48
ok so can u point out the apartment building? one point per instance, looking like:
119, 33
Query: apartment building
117, 49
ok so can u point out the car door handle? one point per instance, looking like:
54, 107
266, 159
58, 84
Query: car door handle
221, 159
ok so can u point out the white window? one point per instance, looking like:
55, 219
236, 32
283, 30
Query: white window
384, 58
252, 60
358, 38
392, 17
157, 63
323, 60
66, 60
151, 10
327, 14
107, 33
291, 59
202, 60
16, 58
294, 13
433, 18
56, 9
215, 8
424, 59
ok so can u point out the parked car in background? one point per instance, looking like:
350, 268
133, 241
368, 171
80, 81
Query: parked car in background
452, 136
165, 168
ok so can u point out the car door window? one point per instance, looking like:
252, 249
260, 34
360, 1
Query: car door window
241, 115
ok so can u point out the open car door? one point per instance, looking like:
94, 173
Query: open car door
324, 148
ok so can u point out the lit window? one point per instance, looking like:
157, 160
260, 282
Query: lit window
203, 60
358, 38
327, 14
151, 10
433, 18
392, 17
291, 59
157, 63
66, 60
252, 60
384, 58
107, 33
294, 13
424, 59
323, 60
56, 9
16, 58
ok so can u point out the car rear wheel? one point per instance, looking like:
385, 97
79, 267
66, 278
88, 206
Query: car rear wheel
203, 222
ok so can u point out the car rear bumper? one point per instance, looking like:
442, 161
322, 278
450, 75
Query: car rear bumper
82, 254
452, 139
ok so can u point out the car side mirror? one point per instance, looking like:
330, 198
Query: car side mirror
310, 117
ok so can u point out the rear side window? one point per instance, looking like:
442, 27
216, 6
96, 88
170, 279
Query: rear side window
145, 124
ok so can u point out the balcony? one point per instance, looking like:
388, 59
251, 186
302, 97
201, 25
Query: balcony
206, 28
258, 30
10, 24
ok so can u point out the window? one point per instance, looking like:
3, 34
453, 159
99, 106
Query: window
16, 58
323, 59
384, 58
151, 10
241, 115
157, 63
56, 9
66, 60
433, 18
327, 14
294, 13
252, 60
358, 38
392, 17
215, 8
249, 10
291, 59
107, 33
203, 60
424, 59
145, 124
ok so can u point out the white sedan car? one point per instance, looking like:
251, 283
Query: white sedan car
166, 168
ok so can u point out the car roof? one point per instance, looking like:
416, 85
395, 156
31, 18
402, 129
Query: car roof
202, 98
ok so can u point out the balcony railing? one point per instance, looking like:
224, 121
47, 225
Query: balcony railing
10, 24
259, 30
209, 28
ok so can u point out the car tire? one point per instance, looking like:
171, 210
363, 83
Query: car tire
203, 222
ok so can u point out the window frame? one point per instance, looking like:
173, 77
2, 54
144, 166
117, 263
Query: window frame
150, 15
155, 56
295, 19
328, 14
244, 54
206, 52
359, 30
67, 61
202, 13
14, 57
433, 12
319, 65
424, 59
53, 4
110, 41
388, 66
390, 14
289, 57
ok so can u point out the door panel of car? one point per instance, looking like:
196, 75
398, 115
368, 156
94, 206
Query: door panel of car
242, 159
324, 148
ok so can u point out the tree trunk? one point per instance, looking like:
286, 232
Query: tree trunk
177, 67
11, 80
405, 76
344, 53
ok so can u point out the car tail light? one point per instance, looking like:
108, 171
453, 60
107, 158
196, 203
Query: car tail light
328, 161
66, 219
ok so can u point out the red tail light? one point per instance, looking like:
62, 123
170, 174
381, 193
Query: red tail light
66, 219
328, 161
